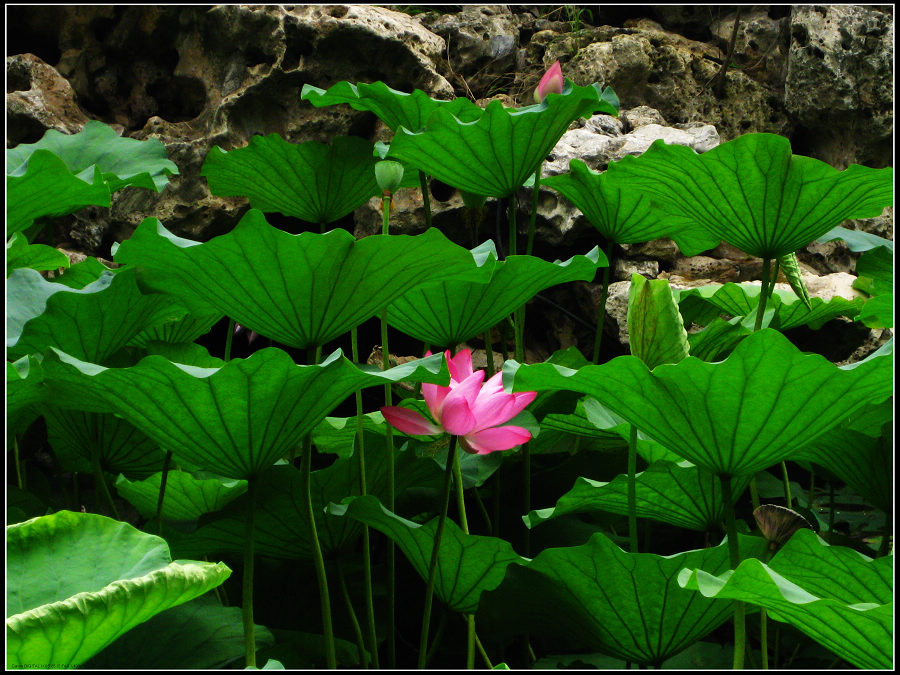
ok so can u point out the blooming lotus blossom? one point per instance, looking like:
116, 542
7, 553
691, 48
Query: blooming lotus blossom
467, 409
551, 83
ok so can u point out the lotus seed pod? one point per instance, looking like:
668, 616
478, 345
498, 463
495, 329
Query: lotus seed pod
388, 174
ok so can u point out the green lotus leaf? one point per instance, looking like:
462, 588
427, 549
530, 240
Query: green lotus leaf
719, 338
863, 462
180, 327
878, 312
77, 581
220, 419
467, 566
452, 312
61, 173
875, 269
81, 274
19, 253
24, 389
597, 597
495, 154
395, 108
188, 496
857, 240
679, 494
839, 597
623, 215
742, 300
76, 436
312, 181
336, 435
47, 188
753, 193
187, 353
300, 290
123, 161
281, 528
656, 333
198, 634
92, 322
735, 417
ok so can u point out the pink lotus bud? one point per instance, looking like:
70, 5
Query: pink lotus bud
551, 83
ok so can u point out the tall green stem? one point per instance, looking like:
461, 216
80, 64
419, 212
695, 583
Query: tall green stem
229, 337
488, 355
354, 622
787, 485
19, 476
385, 363
426, 198
101, 482
366, 542
247, 591
740, 628
432, 567
632, 490
532, 219
763, 294
513, 232
464, 523
601, 310
162, 491
318, 559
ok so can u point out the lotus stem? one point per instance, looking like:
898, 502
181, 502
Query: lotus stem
484, 655
162, 491
432, 567
532, 219
464, 523
754, 493
601, 310
488, 355
482, 508
740, 628
812, 485
438, 636
632, 490
426, 198
354, 622
247, 591
363, 488
764, 638
318, 559
20, 481
763, 294
495, 532
229, 337
388, 400
787, 485
512, 208
101, 481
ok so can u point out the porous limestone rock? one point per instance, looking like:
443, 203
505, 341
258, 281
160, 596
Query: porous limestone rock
839, 83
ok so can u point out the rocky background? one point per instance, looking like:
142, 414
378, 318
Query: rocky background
195, 77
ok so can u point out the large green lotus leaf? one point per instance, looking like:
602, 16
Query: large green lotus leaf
280, 522
221, 419
719, 338
452, 312
863, 462
91, 323
754, 194
19, 253
75, 436
839, 597
875, 269
187, 497
656, 333
679, 494
624, 215
300, 290
742, 300
24, 389
77, 581
735, 417
312, 181
123, 161
467, 566
46, 187
395, 108
198, 634
878, 312
495, 154
178, 328
597, 597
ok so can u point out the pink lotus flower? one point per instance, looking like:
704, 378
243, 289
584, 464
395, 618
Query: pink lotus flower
467, 409
551, 83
